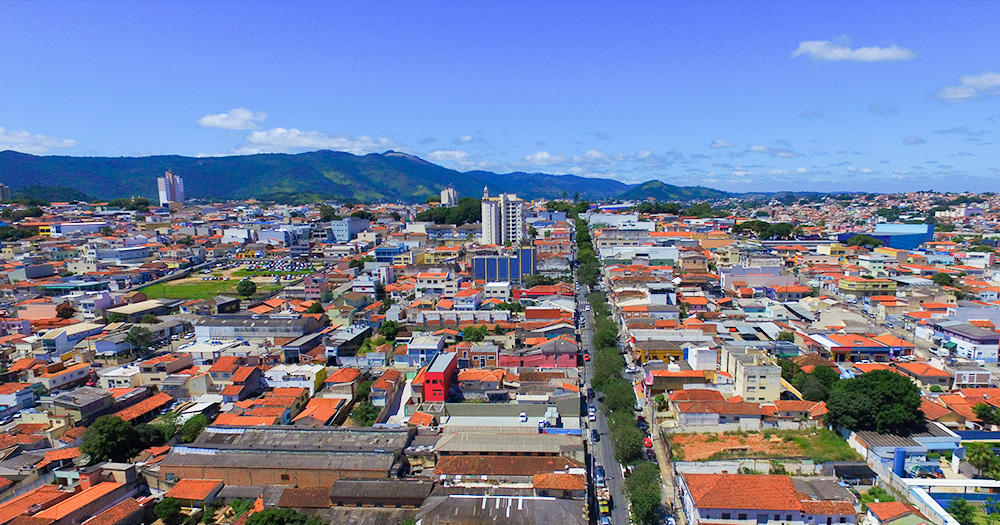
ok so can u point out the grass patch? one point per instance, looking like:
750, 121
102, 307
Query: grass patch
825, 445
200, 289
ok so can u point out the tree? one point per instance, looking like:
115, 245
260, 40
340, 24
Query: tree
282, 517
167, 509
987, 413
315, 308
65, 311
192, 427
660, 402
643, 489
826, 375
864, 240
475, 333
110, 438
789, 370
627, 440
326, 213
963, 511
532, 232
246, 288
241, 506
149, 436
785, 335
140, 338
980, 455
389, 330
882, 400
116, 317
943, 279
149, 319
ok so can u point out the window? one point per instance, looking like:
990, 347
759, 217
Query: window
741, 516
284, 477
725, 515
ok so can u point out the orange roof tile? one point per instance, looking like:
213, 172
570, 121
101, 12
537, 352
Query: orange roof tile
193, 489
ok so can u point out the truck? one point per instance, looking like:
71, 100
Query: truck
604, 501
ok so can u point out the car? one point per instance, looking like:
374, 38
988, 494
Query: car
586, 357
647, 442
671, 520
599, 473
594, 435
523, 416
605, 520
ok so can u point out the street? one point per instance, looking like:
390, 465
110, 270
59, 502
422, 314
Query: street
602, 451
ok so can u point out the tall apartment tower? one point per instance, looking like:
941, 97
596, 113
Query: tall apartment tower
4, 192
503, 218
449, 197
171, 188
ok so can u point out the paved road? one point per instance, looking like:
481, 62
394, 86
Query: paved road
602, 451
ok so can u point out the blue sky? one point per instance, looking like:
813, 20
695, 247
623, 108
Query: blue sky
741, 96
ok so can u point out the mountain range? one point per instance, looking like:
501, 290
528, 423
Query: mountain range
308, 177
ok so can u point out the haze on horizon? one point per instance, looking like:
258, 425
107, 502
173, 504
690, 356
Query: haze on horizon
740, 96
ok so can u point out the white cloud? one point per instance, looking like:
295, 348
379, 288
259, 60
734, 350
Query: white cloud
910, 140
782, 153
826, 50
643, 154
450, 155
543, 158
464, 138
779, 172
25, 142
281, 140
239, 118
813, 113
883, 108
862, 171
971, 87
719, 144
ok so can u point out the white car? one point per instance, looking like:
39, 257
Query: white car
523, 416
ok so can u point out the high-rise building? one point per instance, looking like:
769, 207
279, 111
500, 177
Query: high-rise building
4, 192
449, 197
503, 218
171, 188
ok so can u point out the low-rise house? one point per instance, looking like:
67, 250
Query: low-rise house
385, 387
768, 499
309, 377
925, 375
343, 381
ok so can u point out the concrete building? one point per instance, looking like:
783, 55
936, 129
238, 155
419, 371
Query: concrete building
346, 230
503, 218
449, 197
171, 189
757, 376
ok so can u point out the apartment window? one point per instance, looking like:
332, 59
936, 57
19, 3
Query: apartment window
741, 516
725, 515
777, 517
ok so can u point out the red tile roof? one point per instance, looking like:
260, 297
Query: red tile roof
42, 496
743, 491
193, 489
154, 402
559, 481
887, 510
78, 501
116, 514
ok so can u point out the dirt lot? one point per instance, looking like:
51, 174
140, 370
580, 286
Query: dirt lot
820, 445
703, 446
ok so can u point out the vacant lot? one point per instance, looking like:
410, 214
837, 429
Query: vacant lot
819, 445
198, 289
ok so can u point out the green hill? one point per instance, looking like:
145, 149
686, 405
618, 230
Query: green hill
660, 191
303, 177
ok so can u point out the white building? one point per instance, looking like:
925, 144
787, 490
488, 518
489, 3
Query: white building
171, 188
503, 218
449, 197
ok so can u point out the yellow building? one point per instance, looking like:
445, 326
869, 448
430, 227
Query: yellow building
860, 287
835, 249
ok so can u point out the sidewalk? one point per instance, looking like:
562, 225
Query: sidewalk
670, 503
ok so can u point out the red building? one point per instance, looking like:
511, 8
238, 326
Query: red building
437, 377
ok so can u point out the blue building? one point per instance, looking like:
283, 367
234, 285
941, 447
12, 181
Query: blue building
899, 236
386, 253
514, 267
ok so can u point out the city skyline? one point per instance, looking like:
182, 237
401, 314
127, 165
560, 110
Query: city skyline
735, 96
